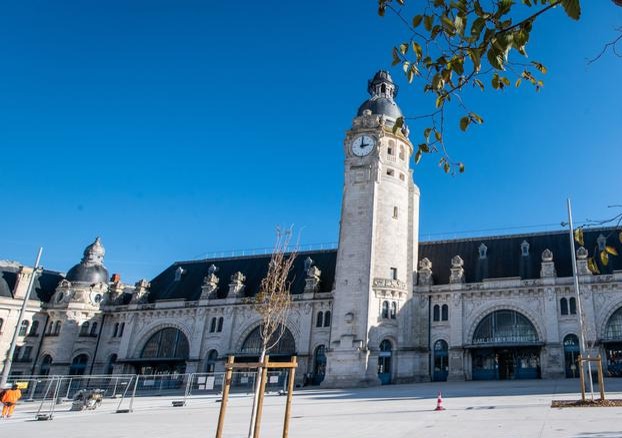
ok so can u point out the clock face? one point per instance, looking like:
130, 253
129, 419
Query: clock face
363, 145
96, 298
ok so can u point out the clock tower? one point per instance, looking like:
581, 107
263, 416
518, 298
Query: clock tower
372, 331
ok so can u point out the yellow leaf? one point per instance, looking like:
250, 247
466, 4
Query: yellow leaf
591, 265
604, 258
611, 250
578, 236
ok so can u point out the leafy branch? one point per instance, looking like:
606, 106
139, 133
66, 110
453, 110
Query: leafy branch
608, 251
455, 44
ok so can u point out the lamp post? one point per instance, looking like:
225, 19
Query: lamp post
9, 358
575, 276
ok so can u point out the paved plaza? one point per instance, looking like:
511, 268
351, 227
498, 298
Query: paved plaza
518, 409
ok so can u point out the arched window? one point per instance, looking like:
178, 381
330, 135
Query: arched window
116, 330
46, 363
383, 88
402, 153
212, 327
220, 323
385, 309
57, 328
34, 328
23, 328
573, 305
436, 313
50, 327
84, 329
319, 364
563, 306
320, 319
571, 353
327, 319
393, 313
121, 329
613, 332
1, 324
390, 147
111, 362
283, 345
94, 329
210, 364
505, 327
384, 362
445, 312
441, 364
78, 365
168, 343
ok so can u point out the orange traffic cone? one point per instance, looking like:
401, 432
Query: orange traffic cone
439, 403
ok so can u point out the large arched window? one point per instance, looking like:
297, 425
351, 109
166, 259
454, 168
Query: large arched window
327, 319
505, 327
613, 332
284, 345
393, 313
221, 321
436, 313
78, 365
46, 363
212, 327
572, 304
168, 343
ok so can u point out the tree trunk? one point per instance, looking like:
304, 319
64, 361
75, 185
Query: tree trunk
251, 428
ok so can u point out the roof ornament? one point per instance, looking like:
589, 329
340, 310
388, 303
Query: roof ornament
237, 286
457, 270
547, 269
425, 272
209, 288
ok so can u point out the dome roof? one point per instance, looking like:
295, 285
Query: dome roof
5, 290
82, 273
91, 269
383, 91
381, 105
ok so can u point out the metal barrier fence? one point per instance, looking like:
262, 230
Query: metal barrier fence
119, 392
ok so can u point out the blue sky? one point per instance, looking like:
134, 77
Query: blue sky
174, 129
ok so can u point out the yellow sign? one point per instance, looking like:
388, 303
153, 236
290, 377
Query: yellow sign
22, 385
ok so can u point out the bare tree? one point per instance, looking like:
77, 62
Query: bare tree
273, 303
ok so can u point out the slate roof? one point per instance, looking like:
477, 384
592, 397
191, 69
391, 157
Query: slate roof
44, 287
504, 257
164, 286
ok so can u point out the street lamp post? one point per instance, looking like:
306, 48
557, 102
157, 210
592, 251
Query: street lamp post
575, 276
9, 358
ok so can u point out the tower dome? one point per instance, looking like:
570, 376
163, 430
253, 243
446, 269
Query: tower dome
382, 90
91, 269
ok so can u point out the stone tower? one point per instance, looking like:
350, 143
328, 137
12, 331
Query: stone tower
377, 254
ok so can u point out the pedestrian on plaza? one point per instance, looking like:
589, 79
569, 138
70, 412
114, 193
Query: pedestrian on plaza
9, 399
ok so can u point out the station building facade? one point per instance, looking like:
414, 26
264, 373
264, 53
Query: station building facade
381, 308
